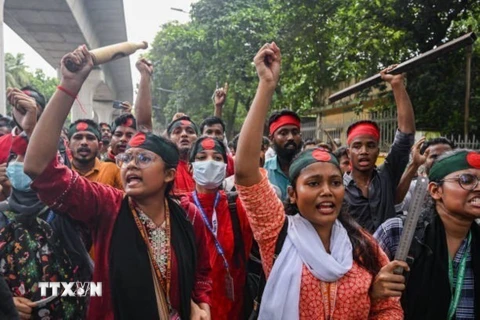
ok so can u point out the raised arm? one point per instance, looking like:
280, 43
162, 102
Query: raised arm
220, 96
43, 144
143, 103
267, 62
405, 115
407, 177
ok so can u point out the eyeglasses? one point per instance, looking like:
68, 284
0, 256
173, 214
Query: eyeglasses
142, 160
467, 181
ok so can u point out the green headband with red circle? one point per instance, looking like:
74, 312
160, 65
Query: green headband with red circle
308, 157
457, 161
83, 126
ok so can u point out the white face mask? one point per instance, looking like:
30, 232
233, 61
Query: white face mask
209, 174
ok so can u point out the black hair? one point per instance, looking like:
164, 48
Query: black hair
105, 124
169, 128
8, 121
435, 141
210, 121
308, 141
355, 124
365, 252
169, 165
39, 98
265, 141
194, 149
122, 119
340, 152
277, 114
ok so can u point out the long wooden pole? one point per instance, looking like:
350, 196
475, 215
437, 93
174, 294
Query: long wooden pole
460, 42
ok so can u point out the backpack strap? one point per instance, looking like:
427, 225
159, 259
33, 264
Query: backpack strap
417, 242
238, 244
263, 281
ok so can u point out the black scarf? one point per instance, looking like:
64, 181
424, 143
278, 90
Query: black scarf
133, 293
25, 204
27, 207
427, 295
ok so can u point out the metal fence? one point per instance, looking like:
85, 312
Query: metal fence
468, 143
386, 120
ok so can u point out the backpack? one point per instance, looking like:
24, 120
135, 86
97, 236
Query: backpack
256, 280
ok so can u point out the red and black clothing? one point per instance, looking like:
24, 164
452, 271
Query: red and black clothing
222, 307
184, 182
105, 211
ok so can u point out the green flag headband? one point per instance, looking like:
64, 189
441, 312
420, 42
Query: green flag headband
308, 157
83, 126
458, 161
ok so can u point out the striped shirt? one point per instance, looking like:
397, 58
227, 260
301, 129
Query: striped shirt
388, 237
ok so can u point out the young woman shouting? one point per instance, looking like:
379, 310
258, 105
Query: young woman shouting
326, 266
151, 261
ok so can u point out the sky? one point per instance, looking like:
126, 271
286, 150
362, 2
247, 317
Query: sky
143, 21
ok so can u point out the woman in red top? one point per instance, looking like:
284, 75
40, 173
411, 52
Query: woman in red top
150, 260
327, 263
229, 234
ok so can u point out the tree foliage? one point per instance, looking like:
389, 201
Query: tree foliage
17, 75
323, 42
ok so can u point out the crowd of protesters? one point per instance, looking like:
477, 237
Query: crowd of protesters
186, 225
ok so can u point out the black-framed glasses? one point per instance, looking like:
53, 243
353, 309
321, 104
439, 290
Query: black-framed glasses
142, 160
467, 181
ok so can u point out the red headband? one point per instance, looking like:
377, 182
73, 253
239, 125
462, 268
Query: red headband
5, 146
284, 121
362, 129
19, 145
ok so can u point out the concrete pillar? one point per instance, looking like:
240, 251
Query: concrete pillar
3, 105
104, 110
86, 96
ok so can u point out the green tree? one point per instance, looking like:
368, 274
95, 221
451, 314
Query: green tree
217, 46
43, 83
323, 43
16, 73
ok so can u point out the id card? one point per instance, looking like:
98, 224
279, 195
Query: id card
229, 287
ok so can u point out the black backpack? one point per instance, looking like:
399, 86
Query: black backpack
256, 280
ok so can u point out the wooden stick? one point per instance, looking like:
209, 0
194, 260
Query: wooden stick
458, 43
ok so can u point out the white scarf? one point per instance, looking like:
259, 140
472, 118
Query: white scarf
303, 247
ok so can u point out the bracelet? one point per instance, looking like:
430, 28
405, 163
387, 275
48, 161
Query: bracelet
73, 96
68, 92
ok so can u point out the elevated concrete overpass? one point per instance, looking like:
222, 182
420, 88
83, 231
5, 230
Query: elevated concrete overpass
55, 27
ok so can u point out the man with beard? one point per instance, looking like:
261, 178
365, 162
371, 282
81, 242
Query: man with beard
84, 142
124, 128
370, 191
183, 132
284, 128
106, 132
